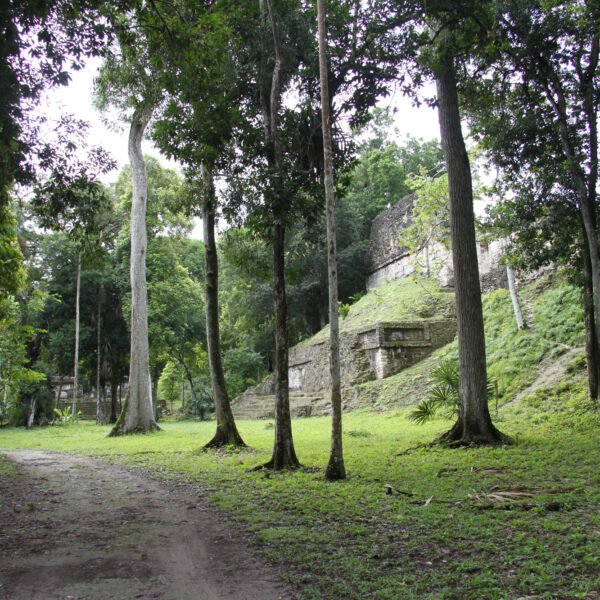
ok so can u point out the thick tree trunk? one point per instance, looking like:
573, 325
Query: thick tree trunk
76, 364
474, 423
335, 468
139, 415
512, 288
227, 433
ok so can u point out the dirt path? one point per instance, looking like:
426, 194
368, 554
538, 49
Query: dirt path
75, 528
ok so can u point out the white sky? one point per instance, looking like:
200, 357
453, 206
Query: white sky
76, 98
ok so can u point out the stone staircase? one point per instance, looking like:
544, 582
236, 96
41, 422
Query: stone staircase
262, 406
85, 405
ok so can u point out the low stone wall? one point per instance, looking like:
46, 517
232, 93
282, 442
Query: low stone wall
374, 352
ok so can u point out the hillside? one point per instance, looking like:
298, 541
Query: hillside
401, 300
549, 354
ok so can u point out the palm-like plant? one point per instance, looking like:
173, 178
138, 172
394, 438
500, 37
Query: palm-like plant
443, 395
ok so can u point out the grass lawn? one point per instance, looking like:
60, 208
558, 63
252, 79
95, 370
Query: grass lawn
536, 536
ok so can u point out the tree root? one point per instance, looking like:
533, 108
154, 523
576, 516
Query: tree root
223, 438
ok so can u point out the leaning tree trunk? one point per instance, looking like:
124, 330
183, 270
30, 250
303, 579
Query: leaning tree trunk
335, 468
227, 433
512, 288
137, 413
76, 364
474, 423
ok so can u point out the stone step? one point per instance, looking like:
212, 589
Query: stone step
257, 406
87, 407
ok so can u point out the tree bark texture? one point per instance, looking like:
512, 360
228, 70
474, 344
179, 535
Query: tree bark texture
76, 363
591, 340
139, 415
335, 468
284, 454
227, 433
474, 423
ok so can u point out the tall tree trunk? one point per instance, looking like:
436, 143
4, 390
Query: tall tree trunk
592, 350
584, 187
76, 364
335, 468
474, 422
284, 454
137, 414
155, 378
227, 433
99, 408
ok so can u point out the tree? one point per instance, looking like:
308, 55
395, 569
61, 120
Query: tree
128, 81
335, 469
71, 199
199, 139
474, 424
535, 112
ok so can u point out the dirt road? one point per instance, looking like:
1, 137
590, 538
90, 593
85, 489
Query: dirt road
74, 528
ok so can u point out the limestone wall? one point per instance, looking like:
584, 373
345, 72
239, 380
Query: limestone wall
388, 261
371, 353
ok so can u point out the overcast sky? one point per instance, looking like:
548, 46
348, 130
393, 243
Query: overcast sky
77, 99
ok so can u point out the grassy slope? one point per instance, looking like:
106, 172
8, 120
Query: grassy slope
351, 540
514, 358
403, 300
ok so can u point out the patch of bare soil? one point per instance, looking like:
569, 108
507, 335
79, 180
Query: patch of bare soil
75, 528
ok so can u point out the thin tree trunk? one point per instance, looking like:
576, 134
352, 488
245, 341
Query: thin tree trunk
99, 407
584, 187
335, 468
76, 364
114, 400
284, 454
31, 417
512, 288
474, 423
155, 378
227, 433
139, 415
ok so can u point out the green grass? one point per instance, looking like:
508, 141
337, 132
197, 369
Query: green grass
514, 358
351, 540
402, 300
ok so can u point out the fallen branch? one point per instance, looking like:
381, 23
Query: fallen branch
446, 470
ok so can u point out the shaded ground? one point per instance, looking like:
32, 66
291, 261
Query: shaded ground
74, 528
